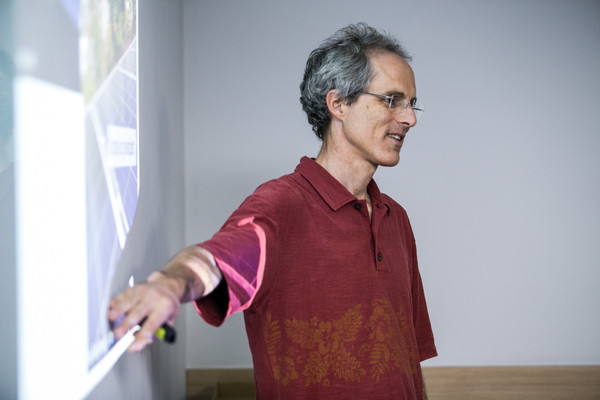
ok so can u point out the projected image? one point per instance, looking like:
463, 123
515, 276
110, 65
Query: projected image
109, 82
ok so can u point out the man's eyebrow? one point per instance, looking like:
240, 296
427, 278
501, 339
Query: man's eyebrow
399, 95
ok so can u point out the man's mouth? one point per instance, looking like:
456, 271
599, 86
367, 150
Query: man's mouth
396, 136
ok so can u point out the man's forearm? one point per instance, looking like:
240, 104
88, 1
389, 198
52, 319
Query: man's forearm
192, 274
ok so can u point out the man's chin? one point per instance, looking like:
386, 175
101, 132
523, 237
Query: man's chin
390, 163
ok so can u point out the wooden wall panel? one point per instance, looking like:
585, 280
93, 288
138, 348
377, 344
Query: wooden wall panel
443, 383
514, 383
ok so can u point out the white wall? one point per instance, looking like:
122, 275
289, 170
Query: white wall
157, 232
8, 292
501, 178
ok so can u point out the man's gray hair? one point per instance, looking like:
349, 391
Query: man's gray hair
341, 62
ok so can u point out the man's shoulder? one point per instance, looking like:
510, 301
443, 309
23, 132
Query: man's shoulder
286, 188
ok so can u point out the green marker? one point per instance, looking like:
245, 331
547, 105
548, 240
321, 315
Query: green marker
166, 333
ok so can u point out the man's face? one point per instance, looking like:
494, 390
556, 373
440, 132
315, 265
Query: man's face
374, 131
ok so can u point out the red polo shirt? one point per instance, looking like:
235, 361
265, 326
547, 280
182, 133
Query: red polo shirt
333, 300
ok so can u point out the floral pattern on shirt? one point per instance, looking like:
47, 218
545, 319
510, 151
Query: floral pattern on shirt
344, 349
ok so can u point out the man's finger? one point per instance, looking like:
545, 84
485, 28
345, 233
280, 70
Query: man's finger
121, 304
142, 339
146, 335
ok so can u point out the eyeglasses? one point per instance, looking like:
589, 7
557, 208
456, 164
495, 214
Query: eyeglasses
395, 103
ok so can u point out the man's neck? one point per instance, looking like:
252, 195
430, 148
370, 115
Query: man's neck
354, 174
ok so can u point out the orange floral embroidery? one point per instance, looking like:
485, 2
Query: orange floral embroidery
326, 342
283, 362
329, 349
390, 343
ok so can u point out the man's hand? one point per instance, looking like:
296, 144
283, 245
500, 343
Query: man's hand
155, 300
190, 275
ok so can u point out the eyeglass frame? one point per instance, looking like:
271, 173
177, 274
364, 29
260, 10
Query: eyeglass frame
394, 102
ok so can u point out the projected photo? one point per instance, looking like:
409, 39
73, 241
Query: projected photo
109, 82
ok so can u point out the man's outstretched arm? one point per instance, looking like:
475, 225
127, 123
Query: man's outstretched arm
190, 275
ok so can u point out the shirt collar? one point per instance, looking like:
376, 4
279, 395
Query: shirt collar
332, 191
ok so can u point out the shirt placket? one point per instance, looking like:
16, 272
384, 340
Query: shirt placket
378, 213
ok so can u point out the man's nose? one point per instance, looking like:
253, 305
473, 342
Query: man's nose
407, 116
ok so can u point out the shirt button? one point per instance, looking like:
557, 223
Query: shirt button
358, 206
379, 256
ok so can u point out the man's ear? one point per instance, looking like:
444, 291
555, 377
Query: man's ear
335, 104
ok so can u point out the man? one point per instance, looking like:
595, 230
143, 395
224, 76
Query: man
322, 263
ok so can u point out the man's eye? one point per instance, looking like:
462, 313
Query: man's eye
394, 101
